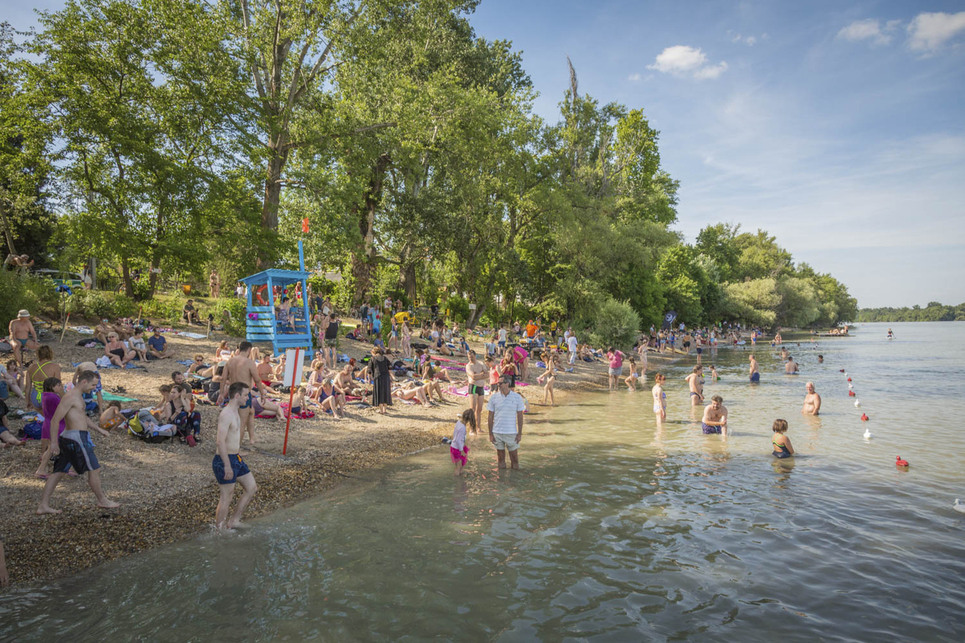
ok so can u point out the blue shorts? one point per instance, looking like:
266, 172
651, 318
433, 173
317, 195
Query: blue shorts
237, 465
247, 404
756, 377
781, 454
709, 429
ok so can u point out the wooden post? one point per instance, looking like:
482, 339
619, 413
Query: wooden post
64, 331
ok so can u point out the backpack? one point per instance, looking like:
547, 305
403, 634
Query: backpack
31, 430
144, 425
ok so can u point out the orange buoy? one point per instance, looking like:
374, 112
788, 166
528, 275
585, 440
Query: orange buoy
864, 417
850, 393
900, 463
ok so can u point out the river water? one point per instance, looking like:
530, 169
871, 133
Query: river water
614, 530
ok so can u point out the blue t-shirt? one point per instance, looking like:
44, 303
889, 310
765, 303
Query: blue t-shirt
157, 342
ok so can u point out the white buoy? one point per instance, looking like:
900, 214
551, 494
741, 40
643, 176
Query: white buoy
857, 404
958, 506
851, 386
867, 434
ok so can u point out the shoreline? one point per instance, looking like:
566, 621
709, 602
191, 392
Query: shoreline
167, 492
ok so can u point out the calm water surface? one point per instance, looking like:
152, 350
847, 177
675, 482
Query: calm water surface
615, 529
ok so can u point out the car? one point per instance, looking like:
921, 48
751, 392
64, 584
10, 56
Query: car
61, 278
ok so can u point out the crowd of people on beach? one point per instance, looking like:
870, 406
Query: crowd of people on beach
423, 364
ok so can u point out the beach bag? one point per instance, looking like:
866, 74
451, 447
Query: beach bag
31, 430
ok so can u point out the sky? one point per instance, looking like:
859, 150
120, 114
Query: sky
836, 126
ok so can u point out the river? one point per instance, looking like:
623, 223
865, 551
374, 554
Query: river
614, 529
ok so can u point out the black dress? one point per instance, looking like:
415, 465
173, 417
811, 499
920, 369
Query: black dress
382, 380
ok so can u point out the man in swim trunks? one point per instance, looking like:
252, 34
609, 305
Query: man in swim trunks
754, 373
812, 401
227, 464
242, 369
21, 333
715, 417
74, 448
476, 378
696, 382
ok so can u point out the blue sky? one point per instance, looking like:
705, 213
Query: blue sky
836, 126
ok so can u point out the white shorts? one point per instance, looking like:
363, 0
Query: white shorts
505, 441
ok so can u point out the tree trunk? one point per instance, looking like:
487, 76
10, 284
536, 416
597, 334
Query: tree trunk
475, 316
407, 276
363, 265
126, 273
6, 229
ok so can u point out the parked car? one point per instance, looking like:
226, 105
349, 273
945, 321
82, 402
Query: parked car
61, 278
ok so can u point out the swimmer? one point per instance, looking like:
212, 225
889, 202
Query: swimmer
755, 375
812, 401
780, 442
820, 359
713, 373
791, 367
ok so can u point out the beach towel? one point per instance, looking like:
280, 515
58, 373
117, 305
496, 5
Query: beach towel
185, 362
462, 390
111, 397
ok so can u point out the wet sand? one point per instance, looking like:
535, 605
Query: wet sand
167, 491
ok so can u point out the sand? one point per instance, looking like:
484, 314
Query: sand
167, 491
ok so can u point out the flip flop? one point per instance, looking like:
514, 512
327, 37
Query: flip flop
40, 476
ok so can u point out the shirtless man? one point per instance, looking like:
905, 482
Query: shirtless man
240, 368
22, 333
74, 448
696, 382
227, 464
791, 367
812, 401
754, 373
715, 417
476, 378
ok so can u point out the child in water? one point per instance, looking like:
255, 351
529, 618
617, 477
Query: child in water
713, 374
458, 449
780, 442
631, 379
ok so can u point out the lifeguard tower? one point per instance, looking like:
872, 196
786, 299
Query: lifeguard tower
262, 321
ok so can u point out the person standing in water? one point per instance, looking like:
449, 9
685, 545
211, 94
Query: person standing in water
754, 373
659, 398
812, 401
696, 383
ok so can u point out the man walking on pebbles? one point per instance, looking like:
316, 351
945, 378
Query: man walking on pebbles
506, 422
227, 464
74, 448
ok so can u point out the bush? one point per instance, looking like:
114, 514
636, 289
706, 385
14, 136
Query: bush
163, 308
238, 308
614, 324
100, 304
36, 294
458, 309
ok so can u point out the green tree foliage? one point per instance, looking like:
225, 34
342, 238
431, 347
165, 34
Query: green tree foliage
934, 311
614, 323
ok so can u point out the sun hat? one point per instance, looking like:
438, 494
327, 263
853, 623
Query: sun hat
86, 366
23, 313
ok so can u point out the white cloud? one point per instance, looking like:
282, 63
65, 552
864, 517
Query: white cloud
870, 29
929, 31
681, 60
750, 41
634, 77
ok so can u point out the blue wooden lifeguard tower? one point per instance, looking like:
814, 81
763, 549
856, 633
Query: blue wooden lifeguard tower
262, 321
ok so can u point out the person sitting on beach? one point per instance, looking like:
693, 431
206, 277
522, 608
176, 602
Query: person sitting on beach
21, 334
344, 382
431, 384
781, 443
14, 377
330, 400
197, 365
812, 401
157, 346
117, 352
266, 370
188, 314
791, 367
715, 416
318, 375
7, 438
138, 345
264, 407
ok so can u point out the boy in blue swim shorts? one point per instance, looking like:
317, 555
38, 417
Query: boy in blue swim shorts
227, 465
